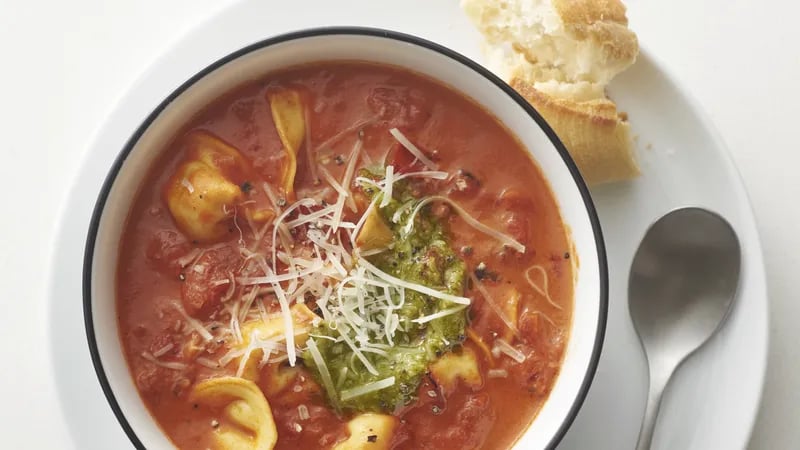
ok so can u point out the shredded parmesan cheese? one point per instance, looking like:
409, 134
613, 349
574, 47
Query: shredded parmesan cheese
501, 346
335, 138
285, 236
367, 388
163, 350
492, 303
190, 257
388, 184
307, 202
332, 181
405, 142
287, 323
211, 364
413, 286
194, 324
497, 373
434, 174
165, 364
440, 314
273, 279
350, 171
471, 221
542, 290
323, 370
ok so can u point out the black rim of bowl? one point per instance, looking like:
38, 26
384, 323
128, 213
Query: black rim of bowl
355, 31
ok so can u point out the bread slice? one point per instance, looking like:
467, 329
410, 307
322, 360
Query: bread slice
560, 54
595, 134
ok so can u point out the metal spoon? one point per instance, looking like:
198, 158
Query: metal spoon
682, 285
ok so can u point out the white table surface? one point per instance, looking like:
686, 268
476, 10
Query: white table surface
65, 64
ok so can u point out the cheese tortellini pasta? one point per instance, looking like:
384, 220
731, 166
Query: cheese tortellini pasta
288, 113
202, 193
452, 367
302, 317
247, 422
369, 431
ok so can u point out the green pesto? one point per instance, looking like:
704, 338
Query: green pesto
423, 256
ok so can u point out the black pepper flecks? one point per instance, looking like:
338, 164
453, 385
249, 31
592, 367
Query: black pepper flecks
372, 438
467, 174
246, 187
482, 272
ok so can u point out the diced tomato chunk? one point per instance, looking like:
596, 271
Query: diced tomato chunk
201, 292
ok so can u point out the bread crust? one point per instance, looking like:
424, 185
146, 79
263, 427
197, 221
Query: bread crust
596, 135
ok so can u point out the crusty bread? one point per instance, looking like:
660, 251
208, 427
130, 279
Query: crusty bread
594, 133
560, 54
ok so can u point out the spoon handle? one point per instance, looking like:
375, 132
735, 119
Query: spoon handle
660, 375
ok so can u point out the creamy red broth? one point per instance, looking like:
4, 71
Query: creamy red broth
491, 176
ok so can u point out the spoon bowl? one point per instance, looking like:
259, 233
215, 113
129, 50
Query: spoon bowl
682, 284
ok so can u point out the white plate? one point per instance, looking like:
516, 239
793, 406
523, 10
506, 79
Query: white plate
714, 397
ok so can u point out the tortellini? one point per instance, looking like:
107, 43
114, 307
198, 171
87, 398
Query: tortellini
511, 310
263, 330
288, 113
248, 422
453, 366
201, 194
374, 233
369, 431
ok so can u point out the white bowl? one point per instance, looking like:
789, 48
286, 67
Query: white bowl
330, 44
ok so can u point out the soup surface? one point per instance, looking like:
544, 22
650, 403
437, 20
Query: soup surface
344, 256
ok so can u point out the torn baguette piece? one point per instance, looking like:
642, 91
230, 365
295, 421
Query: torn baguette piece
559, 55
595, 134
563, 40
